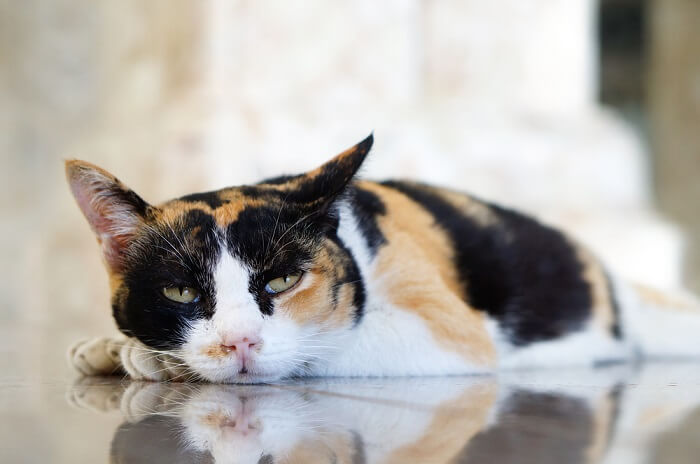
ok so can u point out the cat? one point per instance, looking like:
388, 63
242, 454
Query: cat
323, 274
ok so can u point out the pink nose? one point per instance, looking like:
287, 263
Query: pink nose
243, 346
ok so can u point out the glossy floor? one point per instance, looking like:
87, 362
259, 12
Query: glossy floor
617, 414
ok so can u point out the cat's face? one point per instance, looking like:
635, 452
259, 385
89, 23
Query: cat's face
244, 284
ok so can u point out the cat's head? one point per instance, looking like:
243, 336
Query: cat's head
244, 284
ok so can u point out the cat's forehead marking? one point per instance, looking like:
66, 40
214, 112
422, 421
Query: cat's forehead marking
224, 206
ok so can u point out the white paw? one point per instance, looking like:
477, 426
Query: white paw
144, 363
142, 399
98, 356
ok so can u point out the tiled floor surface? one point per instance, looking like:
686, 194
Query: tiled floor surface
617, 414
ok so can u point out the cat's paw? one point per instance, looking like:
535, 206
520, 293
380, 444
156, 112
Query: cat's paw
144, 363
98, 356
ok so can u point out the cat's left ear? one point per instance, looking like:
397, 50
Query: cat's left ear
115, 212
322, 185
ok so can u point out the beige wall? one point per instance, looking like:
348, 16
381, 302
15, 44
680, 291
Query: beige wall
77, 79
674, 96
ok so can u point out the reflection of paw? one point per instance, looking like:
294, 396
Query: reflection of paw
143, 363
133, 399
143, 399
96, 396
98, 356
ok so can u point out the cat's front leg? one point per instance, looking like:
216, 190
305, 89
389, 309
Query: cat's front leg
119, 355
97, 356
144, 363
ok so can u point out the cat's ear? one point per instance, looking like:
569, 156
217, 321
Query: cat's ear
322, 185
115, 212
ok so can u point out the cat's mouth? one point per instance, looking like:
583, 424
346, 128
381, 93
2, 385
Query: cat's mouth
253, 366
241, 374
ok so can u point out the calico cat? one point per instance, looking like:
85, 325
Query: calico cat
322, 274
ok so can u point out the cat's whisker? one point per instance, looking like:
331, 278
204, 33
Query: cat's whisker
290, 228
184, 246
174, 249
274, 229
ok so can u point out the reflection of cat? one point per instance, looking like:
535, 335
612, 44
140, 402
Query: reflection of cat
433, 420
320, 274
577, 417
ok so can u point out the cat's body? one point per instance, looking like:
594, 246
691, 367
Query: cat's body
320, 274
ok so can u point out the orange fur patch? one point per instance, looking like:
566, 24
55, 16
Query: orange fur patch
312, 301
216, 351
115, 280
172, 211
602, 299
416, 272
663, 300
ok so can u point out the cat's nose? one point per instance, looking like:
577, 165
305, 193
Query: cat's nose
242, 346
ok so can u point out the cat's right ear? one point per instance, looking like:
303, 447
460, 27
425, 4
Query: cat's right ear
115, 212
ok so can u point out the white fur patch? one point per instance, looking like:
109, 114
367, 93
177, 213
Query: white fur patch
390, 341
349, 233
285, 346
585, 347
658, 331
237, 313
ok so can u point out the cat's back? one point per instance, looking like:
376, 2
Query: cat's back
531, 279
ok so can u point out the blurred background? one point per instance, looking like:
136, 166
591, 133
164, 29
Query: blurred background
584, 113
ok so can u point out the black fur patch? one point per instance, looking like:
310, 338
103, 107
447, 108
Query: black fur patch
522, 273
210, 198
138, 205
165, 257
616, 328
281, 239
366, 207
274, 241
322, 187
279, 180
352, 277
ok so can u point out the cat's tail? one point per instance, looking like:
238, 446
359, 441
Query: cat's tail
660, 324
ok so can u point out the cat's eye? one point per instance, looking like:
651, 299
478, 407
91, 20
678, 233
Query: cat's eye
281, 284
181, 294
